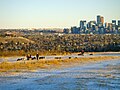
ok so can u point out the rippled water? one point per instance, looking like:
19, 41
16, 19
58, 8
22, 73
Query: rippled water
104, 75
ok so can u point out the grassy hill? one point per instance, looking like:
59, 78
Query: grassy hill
15, 39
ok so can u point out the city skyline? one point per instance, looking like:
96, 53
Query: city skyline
54, 13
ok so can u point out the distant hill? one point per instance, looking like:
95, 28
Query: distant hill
15, 39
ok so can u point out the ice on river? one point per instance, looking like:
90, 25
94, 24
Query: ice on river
104, 75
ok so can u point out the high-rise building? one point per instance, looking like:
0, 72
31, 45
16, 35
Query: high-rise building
92, 23
114, 28
114, 22
118, 23
98, 19
102, 20
118, 26
75, 30
66, 30
82, 24
106, 25
110, 27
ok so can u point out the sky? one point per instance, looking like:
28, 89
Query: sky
55, 13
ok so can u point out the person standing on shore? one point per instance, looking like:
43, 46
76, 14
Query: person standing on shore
28, 56
37, 56
82, 52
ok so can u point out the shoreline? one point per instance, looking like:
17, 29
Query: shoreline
51, 64
86, 60
94, 53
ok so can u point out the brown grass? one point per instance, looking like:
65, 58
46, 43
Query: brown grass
43, 64
23, 53
15, 39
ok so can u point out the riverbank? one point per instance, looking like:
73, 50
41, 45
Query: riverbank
5, 54
51, 64
23, 53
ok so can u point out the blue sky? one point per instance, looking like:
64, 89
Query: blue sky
55, 13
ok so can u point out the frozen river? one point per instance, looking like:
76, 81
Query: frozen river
104, 75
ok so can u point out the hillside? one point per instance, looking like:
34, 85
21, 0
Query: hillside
15, 39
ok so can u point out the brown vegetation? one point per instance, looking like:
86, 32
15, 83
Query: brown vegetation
55, 44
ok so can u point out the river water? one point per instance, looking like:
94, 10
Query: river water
104, 75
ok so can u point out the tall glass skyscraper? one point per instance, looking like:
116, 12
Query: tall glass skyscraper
98, 19
119, 23
82, 24
102, 20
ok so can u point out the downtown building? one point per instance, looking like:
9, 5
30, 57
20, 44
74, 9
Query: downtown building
96, 27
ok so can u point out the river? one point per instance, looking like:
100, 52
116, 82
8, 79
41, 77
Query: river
104, 75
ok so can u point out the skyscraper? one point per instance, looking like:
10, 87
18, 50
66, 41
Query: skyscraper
118, 23
110, 27
75, 30
66, 30
114, 22
102, 20
106, 25
98, 19
83, 26
119, 26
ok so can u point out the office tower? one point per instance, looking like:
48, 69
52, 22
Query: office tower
118, 28
114, 28
66, 31
110, 27
92, 23
88, 25
114, 22
102, 20
118, 23
106, 25
82, 24
98, 19
93, 27
75, 30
